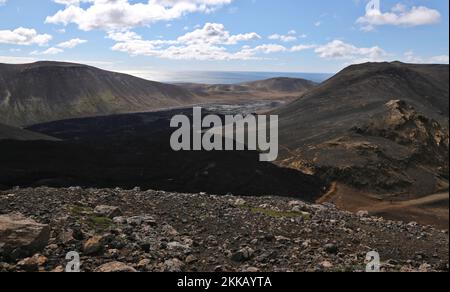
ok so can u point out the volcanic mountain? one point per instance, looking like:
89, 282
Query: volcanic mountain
282, 84
275, 88
382, 127
46, 91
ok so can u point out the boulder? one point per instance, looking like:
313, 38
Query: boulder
173, 266
326, 265
177, 246
331, 248
93, 245
140, 220
107, 211
67, 237
21, 237
32, 264
242, 255
115, 267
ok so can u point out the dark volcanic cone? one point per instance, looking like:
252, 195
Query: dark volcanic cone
377, 126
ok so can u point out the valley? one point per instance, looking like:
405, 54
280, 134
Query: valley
362, 153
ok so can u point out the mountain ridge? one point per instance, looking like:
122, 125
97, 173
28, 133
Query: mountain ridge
46, 91
370, 126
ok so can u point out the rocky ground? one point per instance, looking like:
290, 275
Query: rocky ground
151, 231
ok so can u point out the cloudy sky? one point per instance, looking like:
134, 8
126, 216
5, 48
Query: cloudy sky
143, 36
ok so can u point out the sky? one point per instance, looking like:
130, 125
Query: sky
144, 37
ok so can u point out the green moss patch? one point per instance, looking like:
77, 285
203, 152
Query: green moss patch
85, 215
80, 211
99, 222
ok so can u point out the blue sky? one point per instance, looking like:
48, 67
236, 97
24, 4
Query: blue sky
146, 37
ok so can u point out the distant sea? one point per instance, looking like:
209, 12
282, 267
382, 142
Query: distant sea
228, 77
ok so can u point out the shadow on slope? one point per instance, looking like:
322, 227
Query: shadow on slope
133, 150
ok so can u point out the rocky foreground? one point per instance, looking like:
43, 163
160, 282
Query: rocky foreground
153, 231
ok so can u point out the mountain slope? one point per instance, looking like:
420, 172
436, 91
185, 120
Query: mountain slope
46, 91
12, 133
282, 84
380, 126
281, 88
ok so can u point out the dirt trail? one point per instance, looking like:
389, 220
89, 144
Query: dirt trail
432, 199
429, 210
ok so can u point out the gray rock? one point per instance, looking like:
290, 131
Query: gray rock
32, 264
242, 255
143, 264
107, 211
362, 213
21, 237
115, 267
176, 245
190, 259
282, 239
93, 245
173, 266
331, 248
141, 220
251, 270
67, 237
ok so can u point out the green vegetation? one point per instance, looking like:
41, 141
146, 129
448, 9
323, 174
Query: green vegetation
99, 222
80, 211
86, 215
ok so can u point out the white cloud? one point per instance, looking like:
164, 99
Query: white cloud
340, 50
49, 51
123, 36
443, 59
108, 65
209, 42
291, 36
399, 15
265, 49
196, 52
121, 14
24, 36
284, 38
16, 60
59, 47
411, 57
300, 48
2, 2
138, 47
215, 34
71, 43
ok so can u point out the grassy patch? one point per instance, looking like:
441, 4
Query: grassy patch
85, 215
99, 222
79, 211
